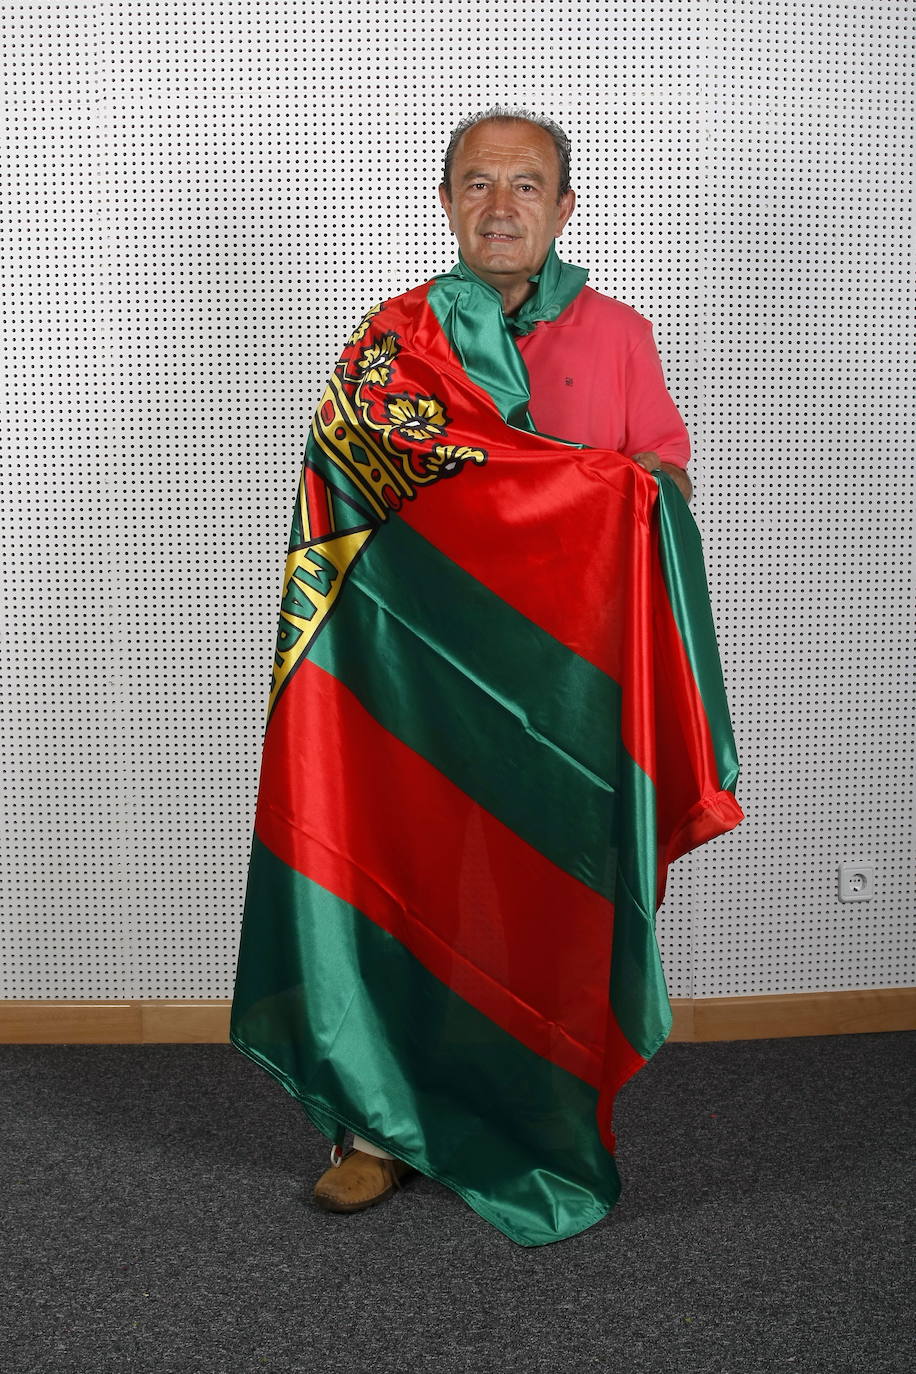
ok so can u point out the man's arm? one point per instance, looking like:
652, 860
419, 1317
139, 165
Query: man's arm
655, 426
651, 462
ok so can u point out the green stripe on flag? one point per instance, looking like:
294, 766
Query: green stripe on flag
472, 320
684, 570
377, 1043
639, 993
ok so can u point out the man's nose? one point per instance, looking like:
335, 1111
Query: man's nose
501, 200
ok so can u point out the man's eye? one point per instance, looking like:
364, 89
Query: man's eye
526, 186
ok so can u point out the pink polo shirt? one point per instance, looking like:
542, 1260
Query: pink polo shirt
596, 379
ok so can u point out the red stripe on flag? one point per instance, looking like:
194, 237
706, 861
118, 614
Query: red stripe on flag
317, 498
346, 803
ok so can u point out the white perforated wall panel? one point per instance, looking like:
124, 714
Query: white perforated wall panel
200, 199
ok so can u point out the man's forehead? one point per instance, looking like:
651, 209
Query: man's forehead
516, 140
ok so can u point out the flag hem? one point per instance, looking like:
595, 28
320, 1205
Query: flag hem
315, 1110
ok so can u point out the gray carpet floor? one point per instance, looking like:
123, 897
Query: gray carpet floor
156, 1219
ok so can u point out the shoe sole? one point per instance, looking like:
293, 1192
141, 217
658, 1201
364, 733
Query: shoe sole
329, 1204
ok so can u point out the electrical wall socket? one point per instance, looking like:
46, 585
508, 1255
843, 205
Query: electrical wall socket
857, 882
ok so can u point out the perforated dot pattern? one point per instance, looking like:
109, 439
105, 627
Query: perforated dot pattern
200, 199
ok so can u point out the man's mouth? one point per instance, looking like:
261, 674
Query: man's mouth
501, 238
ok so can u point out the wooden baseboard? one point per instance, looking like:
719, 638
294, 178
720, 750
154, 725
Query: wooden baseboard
144, 1022
160, 1022
779, 1015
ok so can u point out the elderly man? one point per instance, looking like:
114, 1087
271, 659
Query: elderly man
595, 373
469, 798
594, 370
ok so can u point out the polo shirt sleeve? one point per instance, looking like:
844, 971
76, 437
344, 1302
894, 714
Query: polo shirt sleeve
654, 423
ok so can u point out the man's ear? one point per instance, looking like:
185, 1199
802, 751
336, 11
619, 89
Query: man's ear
565, 206
445, 202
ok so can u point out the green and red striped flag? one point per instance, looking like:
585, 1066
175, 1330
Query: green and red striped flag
496, 717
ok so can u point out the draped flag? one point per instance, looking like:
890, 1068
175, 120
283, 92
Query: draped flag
496, 716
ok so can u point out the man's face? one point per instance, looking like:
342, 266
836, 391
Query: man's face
503, 208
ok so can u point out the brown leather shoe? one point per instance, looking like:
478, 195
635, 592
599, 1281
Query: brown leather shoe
359, 1181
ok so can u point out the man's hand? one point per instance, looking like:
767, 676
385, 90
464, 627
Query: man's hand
652, 463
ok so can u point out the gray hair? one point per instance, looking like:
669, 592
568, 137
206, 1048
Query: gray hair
506, 112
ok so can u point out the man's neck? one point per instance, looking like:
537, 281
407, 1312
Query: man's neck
515, 296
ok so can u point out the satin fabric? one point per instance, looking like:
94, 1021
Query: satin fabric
556, 285
507, 1130
468, 799
481, 336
